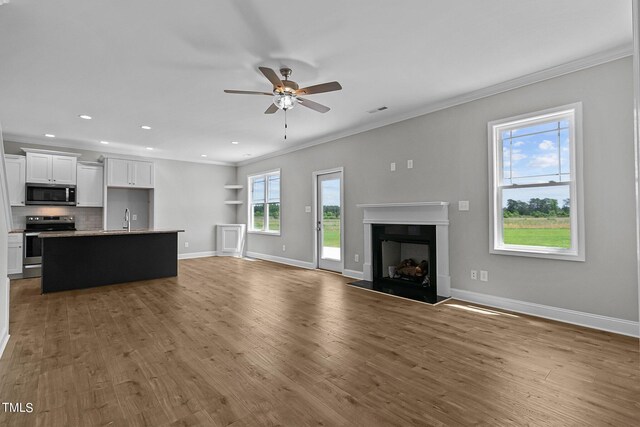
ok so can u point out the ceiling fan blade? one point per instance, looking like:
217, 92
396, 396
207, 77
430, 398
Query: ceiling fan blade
313, 105
247, 92
272, 109
321, 88
271, 76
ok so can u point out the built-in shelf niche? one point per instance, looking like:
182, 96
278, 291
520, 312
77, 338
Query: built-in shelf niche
233, 187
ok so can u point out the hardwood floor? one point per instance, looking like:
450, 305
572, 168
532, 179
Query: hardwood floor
240, 343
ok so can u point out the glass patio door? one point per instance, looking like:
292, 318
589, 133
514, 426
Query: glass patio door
329, 221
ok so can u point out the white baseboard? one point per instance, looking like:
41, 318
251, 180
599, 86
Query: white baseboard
191, 255
4, 335
4, 339
281, 260
595, 321
354, 274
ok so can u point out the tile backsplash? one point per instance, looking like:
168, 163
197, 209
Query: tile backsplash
86, 218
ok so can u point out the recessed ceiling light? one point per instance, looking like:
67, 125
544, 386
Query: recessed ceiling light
84, 116
104, 142
49, 135
235, 142
149, 148
145, 127
203, 155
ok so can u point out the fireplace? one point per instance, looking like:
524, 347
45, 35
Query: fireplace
413, 245
394, 232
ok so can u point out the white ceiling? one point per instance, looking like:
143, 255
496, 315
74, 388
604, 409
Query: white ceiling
165, 64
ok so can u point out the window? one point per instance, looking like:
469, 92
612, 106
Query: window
536, 179
264, 203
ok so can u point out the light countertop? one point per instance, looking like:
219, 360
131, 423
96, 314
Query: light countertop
100, 233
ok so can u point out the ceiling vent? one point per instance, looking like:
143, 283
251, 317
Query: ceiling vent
377, 110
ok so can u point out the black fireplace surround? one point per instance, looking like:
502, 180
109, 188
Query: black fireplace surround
418, 289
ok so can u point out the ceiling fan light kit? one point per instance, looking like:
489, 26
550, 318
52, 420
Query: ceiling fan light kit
284, 101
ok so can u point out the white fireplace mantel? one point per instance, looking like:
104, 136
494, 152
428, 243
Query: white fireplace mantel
414, 213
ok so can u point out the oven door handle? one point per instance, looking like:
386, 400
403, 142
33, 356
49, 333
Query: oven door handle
31, 234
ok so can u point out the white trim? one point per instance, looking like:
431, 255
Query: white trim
595, 321
4, 335
281, 260
51, 152
635, 16
391, 205
526, 80
572, 113
191, 255
353, 274
4, 340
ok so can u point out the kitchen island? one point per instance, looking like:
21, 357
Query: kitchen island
84, 259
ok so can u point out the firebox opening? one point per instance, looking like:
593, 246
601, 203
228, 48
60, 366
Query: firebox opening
405, 261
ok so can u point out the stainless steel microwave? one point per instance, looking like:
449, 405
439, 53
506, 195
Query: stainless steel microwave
51, 194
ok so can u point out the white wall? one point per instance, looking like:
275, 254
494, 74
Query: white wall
449, 150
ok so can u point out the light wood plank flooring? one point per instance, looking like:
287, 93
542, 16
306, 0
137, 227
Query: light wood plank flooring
239, 343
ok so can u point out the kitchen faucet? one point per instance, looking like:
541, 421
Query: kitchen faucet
127, 219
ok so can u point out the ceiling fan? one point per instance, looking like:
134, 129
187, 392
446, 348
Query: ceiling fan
286, 93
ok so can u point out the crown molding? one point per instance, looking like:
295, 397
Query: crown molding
526, 80
82, 145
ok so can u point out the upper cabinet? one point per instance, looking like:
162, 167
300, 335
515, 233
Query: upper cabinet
90, 188
129, 173
49, 167
15, 168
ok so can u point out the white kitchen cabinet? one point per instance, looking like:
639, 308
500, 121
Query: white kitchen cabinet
230, 239
130, 173
90, 187
45, 168
16, 175
14, 260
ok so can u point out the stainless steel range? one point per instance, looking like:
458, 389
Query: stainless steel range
32, 265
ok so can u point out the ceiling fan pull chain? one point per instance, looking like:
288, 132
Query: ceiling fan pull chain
285, 124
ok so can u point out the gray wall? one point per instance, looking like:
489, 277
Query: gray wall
449, 150
136, 200
188, 196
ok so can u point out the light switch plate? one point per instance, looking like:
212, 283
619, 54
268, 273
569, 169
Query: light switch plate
484, 276
307, 209
134, 217
409, 164
463, 205
393, 167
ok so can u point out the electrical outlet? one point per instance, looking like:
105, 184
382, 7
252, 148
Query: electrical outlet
186, 244
284, 248
409, 164
393, 167
134, 217
307, 209
474, 274
356, 258
484, 276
